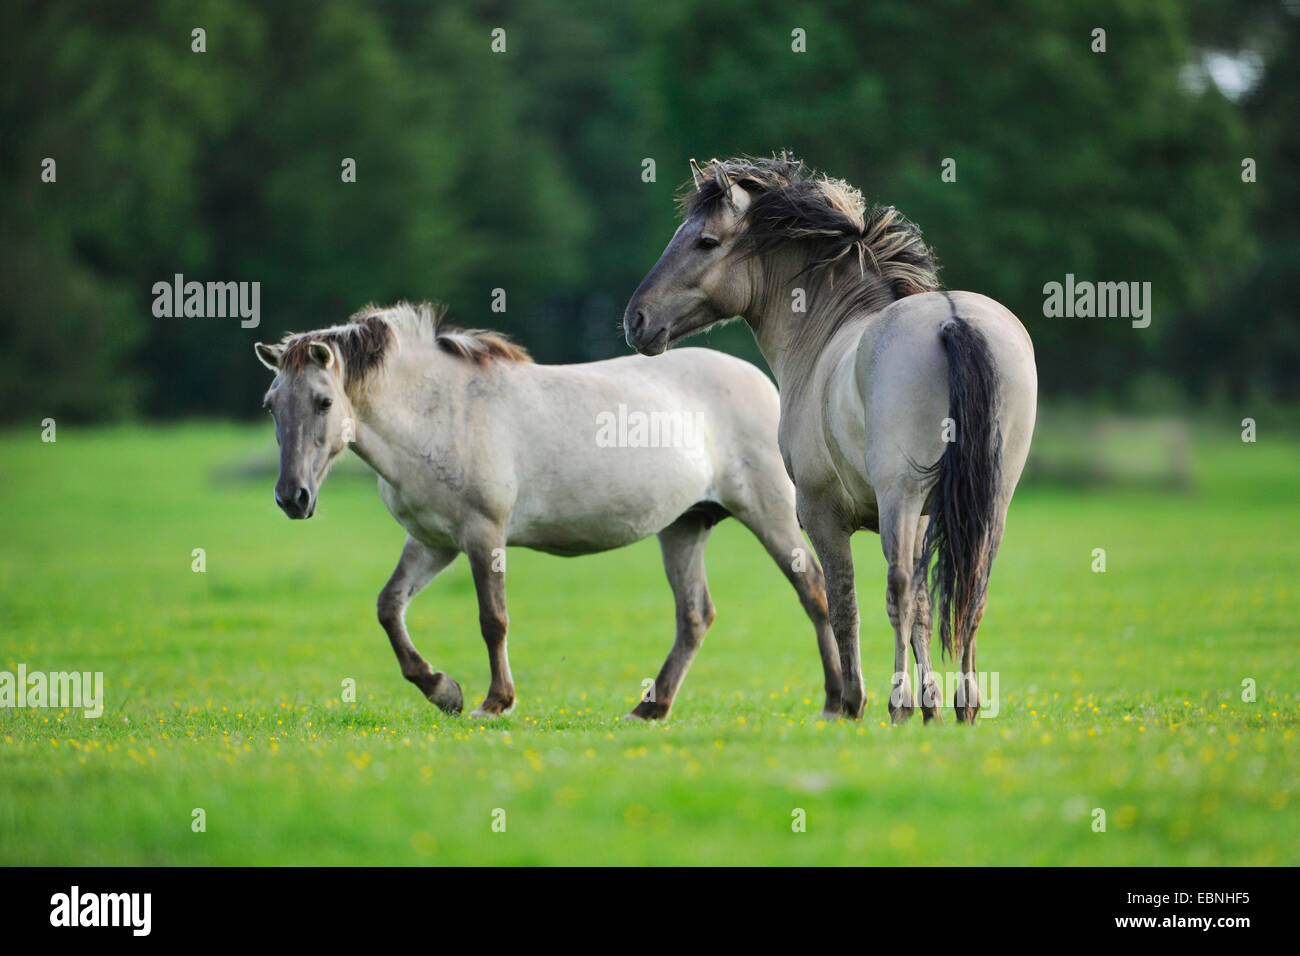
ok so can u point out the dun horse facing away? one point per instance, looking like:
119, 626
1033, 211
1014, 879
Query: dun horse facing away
904, 410
477, 448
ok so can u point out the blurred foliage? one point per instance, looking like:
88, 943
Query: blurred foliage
522, 170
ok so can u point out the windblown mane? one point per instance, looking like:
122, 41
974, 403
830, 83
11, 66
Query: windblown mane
791, 203
371, 333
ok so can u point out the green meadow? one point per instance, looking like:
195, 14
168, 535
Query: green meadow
1161, 693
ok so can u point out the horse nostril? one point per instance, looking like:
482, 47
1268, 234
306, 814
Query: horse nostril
302, 498
638, 324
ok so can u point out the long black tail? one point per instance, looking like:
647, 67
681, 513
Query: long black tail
961, 539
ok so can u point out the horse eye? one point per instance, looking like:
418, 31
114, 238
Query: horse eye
707, 242
326, 403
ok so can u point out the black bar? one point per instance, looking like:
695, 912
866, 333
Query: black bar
332, 905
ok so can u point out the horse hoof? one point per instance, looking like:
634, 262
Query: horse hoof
901, 715
481, 714
446, 695
852, 709
648, 710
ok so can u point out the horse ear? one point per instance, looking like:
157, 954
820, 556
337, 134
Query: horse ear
321, 354
270, 355
726, 186
738, 198
697, 174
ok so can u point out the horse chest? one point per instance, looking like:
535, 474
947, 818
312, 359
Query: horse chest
425, 525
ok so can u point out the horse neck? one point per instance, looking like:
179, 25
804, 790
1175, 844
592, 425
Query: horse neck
402, 412
792, 342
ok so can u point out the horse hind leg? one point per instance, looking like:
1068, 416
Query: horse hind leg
485, 554
899, 518
966, 698
931, 689
682, 544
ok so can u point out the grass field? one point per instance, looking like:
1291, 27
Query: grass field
1120, 691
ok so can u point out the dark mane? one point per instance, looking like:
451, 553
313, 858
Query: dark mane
369, 335
792, 204
362, 344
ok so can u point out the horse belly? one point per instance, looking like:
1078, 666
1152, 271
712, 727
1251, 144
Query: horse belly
620, 497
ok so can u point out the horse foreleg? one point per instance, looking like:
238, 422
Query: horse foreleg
682, 544
415, 569
780, 534
487, 562
831, 541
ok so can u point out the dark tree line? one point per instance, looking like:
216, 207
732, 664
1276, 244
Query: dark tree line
524, 170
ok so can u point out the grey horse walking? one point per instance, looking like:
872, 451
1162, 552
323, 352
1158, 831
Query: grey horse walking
477, 448
904, 410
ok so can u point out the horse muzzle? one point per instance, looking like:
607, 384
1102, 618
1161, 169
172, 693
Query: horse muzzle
641, 336
295, 500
